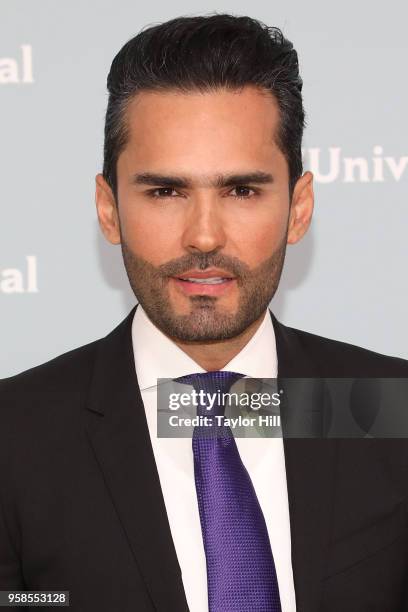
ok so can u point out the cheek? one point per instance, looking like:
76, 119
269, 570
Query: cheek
146, 235
255, 242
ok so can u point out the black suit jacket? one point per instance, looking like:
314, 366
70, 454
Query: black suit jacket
81, 508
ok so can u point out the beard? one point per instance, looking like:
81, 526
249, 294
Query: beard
207, 321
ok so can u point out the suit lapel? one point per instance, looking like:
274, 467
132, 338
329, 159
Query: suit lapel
118, 432
310, 473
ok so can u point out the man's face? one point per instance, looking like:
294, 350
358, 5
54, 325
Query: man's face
203, 211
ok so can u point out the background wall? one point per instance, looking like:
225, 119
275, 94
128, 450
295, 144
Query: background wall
62, 286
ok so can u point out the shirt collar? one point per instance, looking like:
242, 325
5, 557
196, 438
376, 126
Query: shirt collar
156, 356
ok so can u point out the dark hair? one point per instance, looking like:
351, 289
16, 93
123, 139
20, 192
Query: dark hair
204, 53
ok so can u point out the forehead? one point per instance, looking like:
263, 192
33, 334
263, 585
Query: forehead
213, 125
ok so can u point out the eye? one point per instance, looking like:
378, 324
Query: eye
243, 192
244, 188
161, 192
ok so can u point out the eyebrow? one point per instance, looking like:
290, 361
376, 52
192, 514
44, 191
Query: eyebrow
183, 182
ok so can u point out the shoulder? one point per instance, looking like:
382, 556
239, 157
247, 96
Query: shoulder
45, 402
71, 369
337, 358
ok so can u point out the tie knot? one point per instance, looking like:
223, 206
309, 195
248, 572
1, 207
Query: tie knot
212, 384
218, 380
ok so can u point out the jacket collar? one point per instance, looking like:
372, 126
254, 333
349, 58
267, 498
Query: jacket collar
116, 348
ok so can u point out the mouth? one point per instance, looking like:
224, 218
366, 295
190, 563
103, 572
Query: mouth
211, 282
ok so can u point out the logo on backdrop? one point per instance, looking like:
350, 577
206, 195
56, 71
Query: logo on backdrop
20, 280
329, 166
19, 68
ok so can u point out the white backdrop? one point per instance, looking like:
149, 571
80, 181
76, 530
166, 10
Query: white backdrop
62, 286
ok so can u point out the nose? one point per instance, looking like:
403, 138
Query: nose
204, 225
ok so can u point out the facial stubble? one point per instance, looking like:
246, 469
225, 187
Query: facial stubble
206, 321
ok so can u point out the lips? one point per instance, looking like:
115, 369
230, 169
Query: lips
205, 275
204, 281
212, 282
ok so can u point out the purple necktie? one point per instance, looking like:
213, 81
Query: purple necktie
241, 572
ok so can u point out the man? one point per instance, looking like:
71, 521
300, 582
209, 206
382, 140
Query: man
202, 187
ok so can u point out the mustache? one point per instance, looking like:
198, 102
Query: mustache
202, 261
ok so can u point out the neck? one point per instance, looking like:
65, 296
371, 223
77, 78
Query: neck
213, 356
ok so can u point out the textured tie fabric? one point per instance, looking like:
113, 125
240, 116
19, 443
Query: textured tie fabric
241, 572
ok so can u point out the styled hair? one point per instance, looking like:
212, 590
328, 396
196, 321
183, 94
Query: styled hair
204, 53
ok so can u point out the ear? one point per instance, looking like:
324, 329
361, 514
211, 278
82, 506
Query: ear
107, 210
301, 208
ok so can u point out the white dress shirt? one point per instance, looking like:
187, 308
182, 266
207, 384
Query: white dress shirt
156, 356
